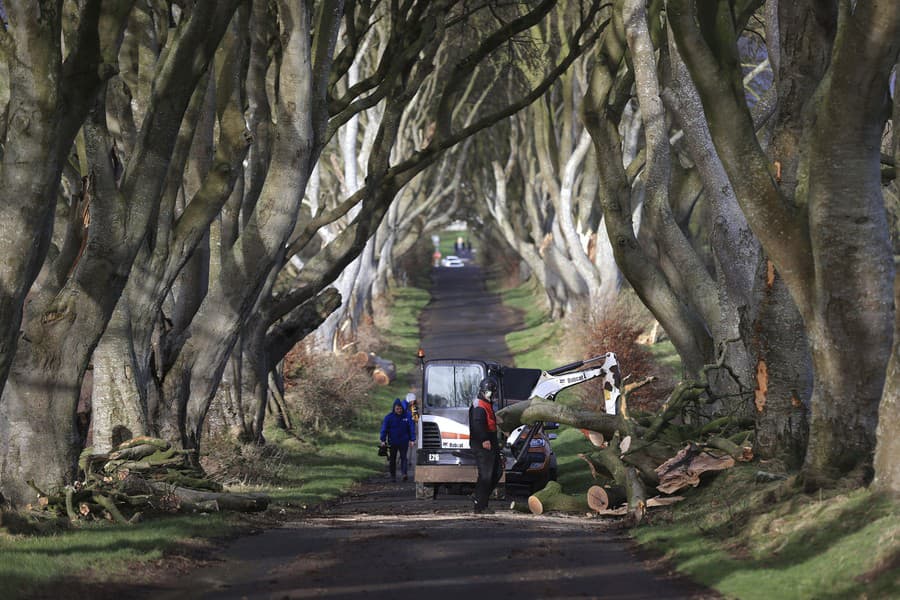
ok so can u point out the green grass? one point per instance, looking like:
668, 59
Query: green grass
536, 345
28, 563
758, 541
666, 357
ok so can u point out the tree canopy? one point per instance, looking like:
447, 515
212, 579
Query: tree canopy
193, 187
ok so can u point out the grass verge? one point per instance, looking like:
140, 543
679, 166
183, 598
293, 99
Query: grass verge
536, 345
751, 540
101, 553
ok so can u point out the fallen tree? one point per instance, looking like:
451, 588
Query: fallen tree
633, 454
141, 476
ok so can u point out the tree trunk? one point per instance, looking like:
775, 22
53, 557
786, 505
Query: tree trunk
887, 463
827, 236
37, 421
119, 409
782, 383
608, 96
48, 101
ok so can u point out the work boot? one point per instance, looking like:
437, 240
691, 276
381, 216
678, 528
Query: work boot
405, 478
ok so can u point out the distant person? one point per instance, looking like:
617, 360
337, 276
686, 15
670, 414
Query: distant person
484, 444
398, 432
459, 246
411, 407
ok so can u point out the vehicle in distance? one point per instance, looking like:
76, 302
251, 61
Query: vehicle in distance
452, 261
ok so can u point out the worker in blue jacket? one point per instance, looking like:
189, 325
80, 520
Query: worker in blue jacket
398, 431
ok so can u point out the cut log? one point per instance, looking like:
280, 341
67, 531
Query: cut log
602, 498
625, 476
134, 452
544, 410
614, 512
201, 507
224, 500
511, 417
595, 438
637, 494
143, 439
384, 376
552, 498
383, 371
70, 506
684, 469
198, 483
111, 508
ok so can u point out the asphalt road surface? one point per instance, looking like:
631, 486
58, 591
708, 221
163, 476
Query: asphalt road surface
380, 542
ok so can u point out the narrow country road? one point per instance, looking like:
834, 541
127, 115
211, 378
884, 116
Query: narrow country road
380, 542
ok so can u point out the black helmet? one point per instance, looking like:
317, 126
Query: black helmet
488, 384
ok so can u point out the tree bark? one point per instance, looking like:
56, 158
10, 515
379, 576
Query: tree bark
887, 465
66, 329
49, 99
828, 237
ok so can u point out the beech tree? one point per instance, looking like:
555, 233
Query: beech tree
69, 310
388, 173
817, 207
727, 298
186, 352
887, 468
47, 93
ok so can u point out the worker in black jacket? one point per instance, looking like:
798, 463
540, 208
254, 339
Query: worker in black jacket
484, 444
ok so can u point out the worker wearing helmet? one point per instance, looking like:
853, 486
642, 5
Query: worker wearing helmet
483, 442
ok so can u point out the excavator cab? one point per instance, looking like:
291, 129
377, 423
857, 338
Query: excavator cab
449, 387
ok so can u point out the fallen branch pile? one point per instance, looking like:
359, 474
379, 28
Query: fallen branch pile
666, 451
142, 475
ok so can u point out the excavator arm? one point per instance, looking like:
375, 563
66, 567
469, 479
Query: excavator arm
555, 380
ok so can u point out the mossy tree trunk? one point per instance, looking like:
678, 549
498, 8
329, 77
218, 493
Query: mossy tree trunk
46, 97
65, 323
827, 236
